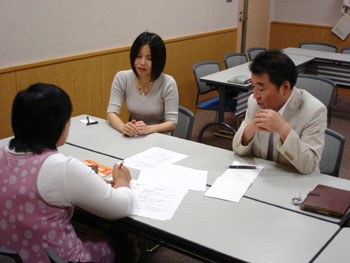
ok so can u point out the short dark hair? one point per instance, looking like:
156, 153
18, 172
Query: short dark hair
39, 116
158, 52
277, 65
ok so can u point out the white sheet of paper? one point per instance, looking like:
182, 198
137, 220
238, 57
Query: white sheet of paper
156, 202
233, 183
153, 157
342, 27
174, 176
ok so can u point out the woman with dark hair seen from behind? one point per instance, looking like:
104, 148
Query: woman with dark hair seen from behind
151, 96
40, 186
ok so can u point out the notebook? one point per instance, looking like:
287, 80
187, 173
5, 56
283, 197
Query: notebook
327, 201
100, 169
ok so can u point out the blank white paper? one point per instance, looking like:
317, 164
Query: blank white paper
233, 183
174, 176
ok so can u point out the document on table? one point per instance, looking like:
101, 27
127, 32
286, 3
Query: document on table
233, 183
153, 157
156, 202
174, 176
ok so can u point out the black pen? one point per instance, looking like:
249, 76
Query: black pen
90, 122
241, 166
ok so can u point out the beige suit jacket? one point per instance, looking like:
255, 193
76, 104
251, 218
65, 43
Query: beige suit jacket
304, 144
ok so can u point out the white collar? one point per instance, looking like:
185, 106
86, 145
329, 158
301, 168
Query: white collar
11, 151
281, 110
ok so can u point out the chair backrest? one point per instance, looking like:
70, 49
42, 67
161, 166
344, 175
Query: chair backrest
345, 50
54, 258
253, 51
332, 153
202, 69
184, 124
9, 256
319, 46
235, 59
320, 87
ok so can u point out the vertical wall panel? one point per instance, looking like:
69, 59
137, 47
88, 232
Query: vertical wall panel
81, 79
7, 94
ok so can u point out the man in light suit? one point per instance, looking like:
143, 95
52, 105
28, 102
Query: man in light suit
283, 124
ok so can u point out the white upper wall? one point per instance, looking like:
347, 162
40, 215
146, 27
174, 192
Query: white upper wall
315, 12
39, 30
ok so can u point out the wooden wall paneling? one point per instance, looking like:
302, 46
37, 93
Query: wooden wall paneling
280, 39
7, 94
283, 35
179, 66
81, 79
182, 55
111, 64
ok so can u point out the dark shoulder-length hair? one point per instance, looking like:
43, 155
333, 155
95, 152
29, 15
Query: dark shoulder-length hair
39, 116
158, 52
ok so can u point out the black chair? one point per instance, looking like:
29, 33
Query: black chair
332, 153
184, 124
9, 256
235, 59
345, 50
202, 69
320, 87
253, 51
319, 46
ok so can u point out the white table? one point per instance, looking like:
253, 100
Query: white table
221, 78
224, 231
214, 229
338, 249
334, 66
316, 54
276, 185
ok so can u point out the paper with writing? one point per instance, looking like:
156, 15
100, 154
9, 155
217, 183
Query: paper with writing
156, 202
153, 157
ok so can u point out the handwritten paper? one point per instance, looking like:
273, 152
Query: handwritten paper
153, 157
233, 183
156, 202
174, 176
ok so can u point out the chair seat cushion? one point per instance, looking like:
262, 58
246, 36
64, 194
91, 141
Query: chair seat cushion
213, 104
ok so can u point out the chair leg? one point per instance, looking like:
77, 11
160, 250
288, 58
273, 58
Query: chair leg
152, 249
230, 135
336, 98
214, 124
